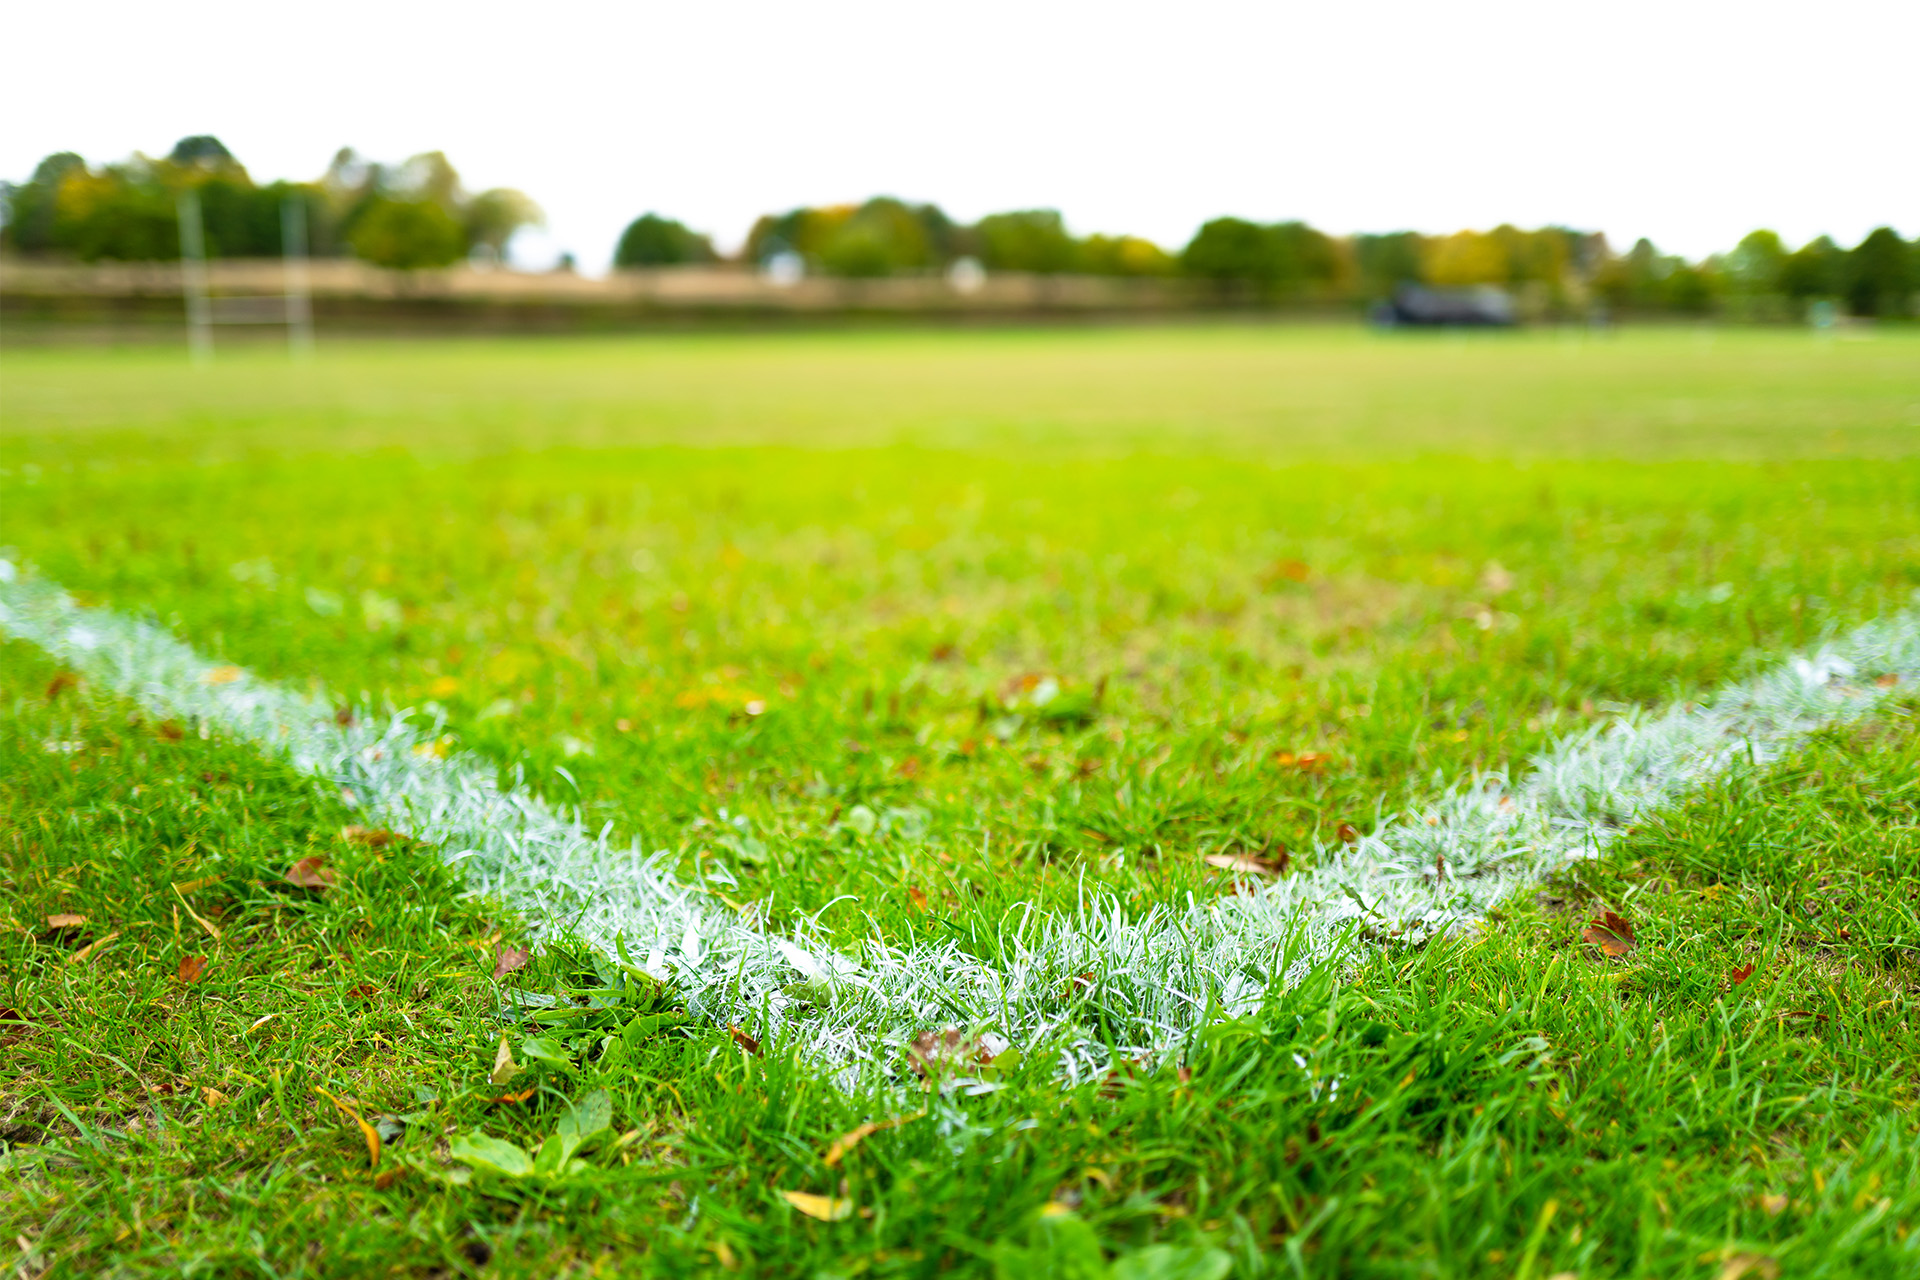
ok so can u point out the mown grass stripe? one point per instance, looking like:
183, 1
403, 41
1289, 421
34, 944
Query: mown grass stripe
1436, 870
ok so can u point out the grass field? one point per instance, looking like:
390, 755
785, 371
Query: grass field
906, 630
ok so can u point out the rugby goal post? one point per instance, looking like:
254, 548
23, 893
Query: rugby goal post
292, 308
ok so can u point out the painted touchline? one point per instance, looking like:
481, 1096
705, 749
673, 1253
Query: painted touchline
1157, 976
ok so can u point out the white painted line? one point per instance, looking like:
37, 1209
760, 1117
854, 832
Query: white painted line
1157, 975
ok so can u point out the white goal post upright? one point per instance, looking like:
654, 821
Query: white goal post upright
293, 307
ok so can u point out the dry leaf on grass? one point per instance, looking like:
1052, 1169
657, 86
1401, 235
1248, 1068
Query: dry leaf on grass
917, 898
508, 960
1887, 681
848, 1141
65, 920
350, 1109
510, 1099
92, 947
1737, 976
362, 991
1249, 863
1742, 1265
312, 873
1347, 833
504, 1067
744, 1040
933, 1050
825, 1208
1304, 761
1774, 1205
372, 837
62, 682
191, 967
1285, 571
1611, 933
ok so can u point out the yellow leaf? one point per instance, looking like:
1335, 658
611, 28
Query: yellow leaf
825, 1208
221, 675
367, 1131
848, 1141
504, 1067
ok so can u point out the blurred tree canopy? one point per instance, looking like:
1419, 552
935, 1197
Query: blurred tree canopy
1877, 276
653, 241
1246, 259
128, 211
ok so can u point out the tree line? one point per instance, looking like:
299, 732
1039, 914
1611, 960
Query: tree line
406, 216
418, 215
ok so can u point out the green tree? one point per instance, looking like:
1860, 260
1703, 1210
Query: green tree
1877, 275
407, 235
1228, 251
1812, 270
1385, 262
30, 205
1033, 240
1757, 263
1245, 257
491, 218
1123, 256
653, 241
882, 237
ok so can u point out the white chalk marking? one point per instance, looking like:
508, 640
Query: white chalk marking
1157, 975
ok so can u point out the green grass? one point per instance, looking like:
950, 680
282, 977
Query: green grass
784, 577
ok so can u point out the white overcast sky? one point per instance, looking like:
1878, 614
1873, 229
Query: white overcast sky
1689, 121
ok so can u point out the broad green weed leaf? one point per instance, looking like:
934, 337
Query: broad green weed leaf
491, 1155
1171, 1262
546, 1049
585, 1118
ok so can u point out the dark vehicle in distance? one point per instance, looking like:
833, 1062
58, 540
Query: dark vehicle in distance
1419, 306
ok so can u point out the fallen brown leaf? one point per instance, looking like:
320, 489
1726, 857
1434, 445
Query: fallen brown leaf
387, 1178
362, 991
351, 1110
1348, 833
191, 967
91, 947
1737, 976
825, 1208
744, 1040
372, 837
1741, 1265
1774, 1205
312, 873
1249, 863
1611, 933
509, 959
848, 1141
1888, 680
917, 898
934, 1050
65, 920
1286, 571
213, 1097
510, 1098
1304, 761
62, 682
170, 731
504, 1067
